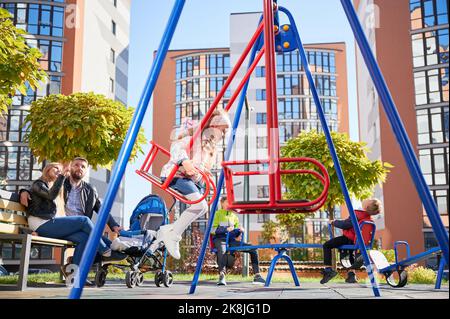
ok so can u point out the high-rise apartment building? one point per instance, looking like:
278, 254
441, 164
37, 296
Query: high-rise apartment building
85, 49
410, 40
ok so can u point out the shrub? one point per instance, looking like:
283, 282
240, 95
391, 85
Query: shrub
420, 275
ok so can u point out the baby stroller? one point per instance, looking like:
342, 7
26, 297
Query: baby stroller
150, 214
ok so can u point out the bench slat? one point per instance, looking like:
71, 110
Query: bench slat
46, 240
9, 229
6, 204
36, 239
11, 218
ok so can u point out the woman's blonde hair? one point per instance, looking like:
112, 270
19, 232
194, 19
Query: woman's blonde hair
45, 172
59, 200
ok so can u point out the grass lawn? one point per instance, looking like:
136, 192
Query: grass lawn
277, 278
54, 278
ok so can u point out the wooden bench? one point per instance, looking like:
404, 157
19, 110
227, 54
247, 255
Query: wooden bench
14, 229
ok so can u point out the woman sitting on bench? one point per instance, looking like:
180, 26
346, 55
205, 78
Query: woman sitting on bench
42, 214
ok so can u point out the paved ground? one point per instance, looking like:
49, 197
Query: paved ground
209, 290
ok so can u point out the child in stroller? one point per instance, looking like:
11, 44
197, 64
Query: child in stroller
150, 214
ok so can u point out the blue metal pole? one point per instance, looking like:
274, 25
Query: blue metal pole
336, 162
272, 269
399, 130
440, 274
292, 268
220, 183
125, 152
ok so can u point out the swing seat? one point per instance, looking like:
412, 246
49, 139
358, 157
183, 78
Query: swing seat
144, 171
276, 206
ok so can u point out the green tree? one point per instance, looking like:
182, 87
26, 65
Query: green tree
19, 64
81, 124
361, 174
269, 231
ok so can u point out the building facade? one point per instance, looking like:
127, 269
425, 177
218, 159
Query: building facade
85, 49
191, 79
416, 71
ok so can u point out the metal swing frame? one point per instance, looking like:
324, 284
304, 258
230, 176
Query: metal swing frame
382, 89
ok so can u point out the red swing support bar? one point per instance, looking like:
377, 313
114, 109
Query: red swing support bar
278, 206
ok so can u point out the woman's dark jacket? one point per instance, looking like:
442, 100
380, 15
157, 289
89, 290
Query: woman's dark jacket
42, 203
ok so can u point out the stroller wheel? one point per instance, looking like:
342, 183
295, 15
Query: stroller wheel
167, 278
100, 277
130, 279
158, 278
139, 278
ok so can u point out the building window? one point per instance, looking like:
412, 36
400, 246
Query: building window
113, 56
39, 19
18, 164
113, 27
261, 118
261, 142
428, 13
12, 252
431, 86
430, 48
260, 71
432, 126
108, 176
111, 85
260, 94
434, 165
51, 50
263, 191
262, 218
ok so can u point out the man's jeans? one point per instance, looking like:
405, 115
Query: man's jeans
73, 228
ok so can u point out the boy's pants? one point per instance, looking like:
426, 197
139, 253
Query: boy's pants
333, 243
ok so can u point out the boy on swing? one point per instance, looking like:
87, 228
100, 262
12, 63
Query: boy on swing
371, 207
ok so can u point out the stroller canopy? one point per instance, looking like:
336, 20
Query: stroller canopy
150, 213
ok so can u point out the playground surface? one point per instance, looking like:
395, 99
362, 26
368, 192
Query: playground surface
235, 290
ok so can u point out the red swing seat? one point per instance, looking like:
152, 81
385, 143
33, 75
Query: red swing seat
144, 171
276, 206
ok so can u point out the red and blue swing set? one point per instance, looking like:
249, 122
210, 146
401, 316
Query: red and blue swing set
275, 204
276, 39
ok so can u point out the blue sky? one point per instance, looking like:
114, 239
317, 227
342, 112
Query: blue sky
204, 24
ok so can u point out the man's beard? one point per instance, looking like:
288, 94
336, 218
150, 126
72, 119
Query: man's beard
75, 177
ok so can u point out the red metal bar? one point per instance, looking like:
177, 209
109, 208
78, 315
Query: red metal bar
272, 109
143, 167
245, 79
171, 176
154, 152
283, 172
280, 205
222, 92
